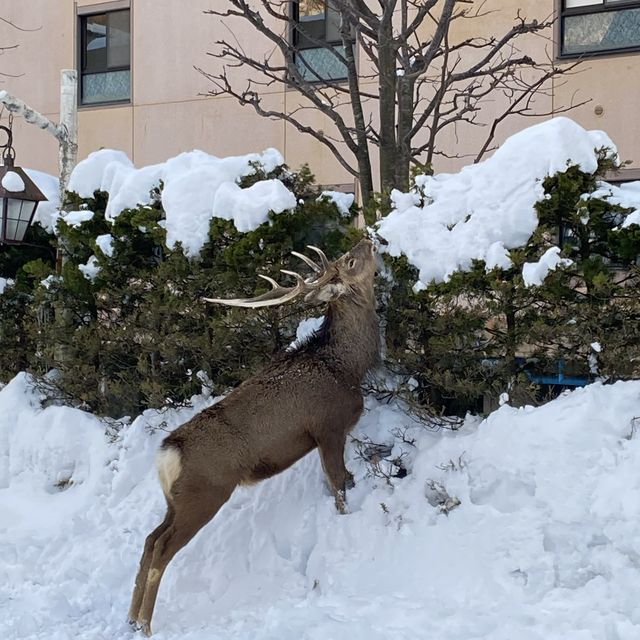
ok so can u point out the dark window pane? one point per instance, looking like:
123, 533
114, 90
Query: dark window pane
95, 43
333, 24
118, 39
321, 64
601, 31
106, 87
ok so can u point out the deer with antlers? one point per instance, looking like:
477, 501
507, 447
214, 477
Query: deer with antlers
304, 399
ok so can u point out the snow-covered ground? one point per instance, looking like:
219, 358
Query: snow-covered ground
544, 545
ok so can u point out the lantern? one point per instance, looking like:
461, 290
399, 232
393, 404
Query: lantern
19, 196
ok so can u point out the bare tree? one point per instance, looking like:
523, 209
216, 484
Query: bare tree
414, 79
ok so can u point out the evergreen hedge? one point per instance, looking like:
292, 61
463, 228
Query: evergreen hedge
138, 334
484, 333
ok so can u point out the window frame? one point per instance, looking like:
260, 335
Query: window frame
82, 17
607, 6
295, 35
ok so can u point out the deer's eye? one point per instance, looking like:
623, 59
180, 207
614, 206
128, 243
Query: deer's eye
351, 263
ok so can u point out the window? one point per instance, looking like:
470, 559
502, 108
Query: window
105, 53
317, 23
599, 26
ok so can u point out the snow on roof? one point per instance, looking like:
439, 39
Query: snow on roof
12, 182
197, 187
487, 208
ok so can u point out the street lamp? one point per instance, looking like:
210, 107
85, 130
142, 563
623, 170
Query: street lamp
19, 196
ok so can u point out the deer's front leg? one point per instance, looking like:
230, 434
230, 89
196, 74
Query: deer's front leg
331, 451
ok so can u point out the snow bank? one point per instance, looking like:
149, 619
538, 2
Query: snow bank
197, 187
543, 545
488, 208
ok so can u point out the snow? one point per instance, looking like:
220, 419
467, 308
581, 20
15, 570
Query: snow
11, 181
98, 172
250, 207
50, 281
76, 218
342, 200
47, 211
534, 273
450, 220
488, 208
4, 283
91, 269
105, 244
197, 187
543, 543
305, 330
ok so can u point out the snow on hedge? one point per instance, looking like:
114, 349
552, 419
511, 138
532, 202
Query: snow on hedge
488, 208
48, 210
197, 187
534, 273
543, 545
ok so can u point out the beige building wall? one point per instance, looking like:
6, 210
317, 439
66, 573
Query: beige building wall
169, 111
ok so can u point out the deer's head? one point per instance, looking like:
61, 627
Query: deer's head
349, 275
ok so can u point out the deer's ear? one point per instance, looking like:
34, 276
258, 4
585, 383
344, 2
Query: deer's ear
327, 293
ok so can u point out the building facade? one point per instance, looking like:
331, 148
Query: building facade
140, 90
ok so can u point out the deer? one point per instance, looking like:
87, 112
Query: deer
304, 399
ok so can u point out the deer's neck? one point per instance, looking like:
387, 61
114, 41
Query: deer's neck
351, 335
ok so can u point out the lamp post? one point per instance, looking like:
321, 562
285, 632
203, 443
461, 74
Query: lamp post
65, 132
19, 196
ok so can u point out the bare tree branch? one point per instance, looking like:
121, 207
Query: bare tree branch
413, 79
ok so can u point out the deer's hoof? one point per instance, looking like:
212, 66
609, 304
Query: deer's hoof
144, 627
349, 482
341, 503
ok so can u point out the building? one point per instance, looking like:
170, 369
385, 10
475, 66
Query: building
140, 90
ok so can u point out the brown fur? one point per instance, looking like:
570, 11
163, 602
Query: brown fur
305, 399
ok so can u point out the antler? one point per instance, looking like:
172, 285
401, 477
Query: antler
324, 271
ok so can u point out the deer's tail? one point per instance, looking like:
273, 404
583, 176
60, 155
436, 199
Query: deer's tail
169, 466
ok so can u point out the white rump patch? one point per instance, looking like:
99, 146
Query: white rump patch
169, 467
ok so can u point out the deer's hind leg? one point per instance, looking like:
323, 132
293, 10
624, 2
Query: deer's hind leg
195, 503
145, 562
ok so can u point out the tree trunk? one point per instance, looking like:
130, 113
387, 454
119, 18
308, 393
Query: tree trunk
362, 155
405, 122
387, 109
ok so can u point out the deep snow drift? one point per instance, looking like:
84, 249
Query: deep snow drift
544, 544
